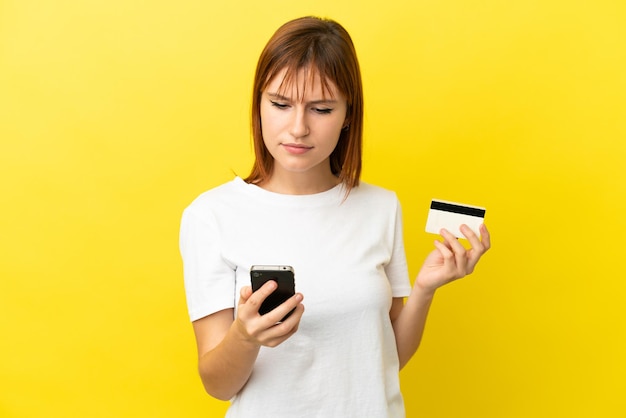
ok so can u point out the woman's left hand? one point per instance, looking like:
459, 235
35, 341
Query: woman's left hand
450, 260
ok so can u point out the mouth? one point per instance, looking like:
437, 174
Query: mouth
296, 148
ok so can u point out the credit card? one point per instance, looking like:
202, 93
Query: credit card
451, 216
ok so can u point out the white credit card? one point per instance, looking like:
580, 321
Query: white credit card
451, 216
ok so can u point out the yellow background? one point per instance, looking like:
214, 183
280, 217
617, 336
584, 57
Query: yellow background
115, 114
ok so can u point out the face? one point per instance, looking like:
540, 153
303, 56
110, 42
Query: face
301, 130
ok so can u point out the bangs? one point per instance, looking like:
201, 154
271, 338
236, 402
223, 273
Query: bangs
299, 77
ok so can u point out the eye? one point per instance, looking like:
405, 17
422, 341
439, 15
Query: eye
279, 105
322, 110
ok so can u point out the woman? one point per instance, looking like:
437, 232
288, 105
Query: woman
303, 205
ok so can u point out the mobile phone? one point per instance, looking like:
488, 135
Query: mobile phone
283, 276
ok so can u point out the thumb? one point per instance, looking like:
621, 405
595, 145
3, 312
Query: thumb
245, 294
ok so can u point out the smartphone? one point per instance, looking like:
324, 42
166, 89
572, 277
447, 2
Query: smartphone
283, 276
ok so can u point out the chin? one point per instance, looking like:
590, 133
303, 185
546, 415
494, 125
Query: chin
296, 170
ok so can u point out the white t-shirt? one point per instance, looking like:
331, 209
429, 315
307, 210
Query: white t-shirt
349, 261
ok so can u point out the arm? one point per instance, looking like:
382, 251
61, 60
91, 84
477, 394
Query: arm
449, 261
227, 348
409, 321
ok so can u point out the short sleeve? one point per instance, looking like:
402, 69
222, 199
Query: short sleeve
397, 270
209, 280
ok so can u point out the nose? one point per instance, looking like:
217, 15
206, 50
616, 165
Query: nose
299, 124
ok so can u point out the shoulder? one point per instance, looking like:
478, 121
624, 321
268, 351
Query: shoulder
375, 190
216, 198
216, 193
372, 199
372, 193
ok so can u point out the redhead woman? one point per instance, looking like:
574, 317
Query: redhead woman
303, 205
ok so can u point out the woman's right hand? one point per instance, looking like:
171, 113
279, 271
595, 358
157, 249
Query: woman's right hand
228, 348
267, 330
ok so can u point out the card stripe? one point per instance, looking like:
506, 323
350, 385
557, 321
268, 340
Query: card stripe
463, 210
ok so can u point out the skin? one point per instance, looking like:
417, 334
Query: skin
300, 131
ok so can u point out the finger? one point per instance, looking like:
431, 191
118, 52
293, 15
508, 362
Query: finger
447, 254
257, 298
460, 253
460, 258
294, 319
479, 246
485, 237
452, 241
279, 332
244, 294
473, 239
278, 313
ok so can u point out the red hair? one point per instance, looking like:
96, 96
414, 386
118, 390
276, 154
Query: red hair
324, 47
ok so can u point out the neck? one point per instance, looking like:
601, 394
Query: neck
299, 183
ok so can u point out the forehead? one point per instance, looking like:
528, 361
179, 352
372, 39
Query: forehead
302, 82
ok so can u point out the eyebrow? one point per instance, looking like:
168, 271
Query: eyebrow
277, 96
